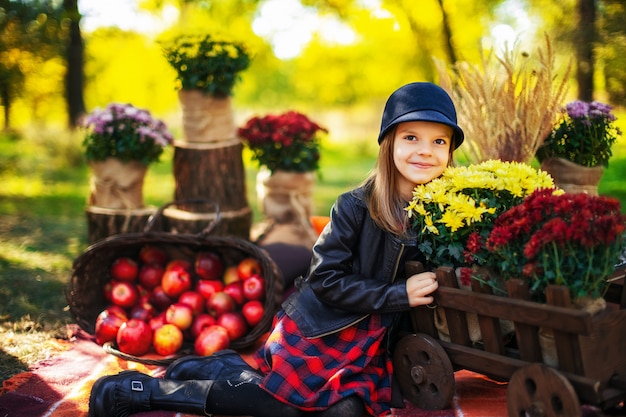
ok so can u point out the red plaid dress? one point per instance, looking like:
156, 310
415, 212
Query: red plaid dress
312, 374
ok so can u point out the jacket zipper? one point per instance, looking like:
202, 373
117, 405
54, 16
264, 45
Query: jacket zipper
394, 320
395, 268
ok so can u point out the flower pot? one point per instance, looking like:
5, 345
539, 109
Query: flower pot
286, 201
573, 178
116, 184
206, 118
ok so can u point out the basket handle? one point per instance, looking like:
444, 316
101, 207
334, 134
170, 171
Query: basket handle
205, 232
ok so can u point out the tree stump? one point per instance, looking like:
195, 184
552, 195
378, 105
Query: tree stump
104, 222
215, 172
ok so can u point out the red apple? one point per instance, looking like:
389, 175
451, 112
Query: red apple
248, 267
152, 255
209, 265
175, 281
235, 290
167, 339
150, 275
220, 303
253, 312
124, 269
182, 263
159, 299
208, 287
179, 314
194, 300
134, 337
117, 310
230, 275
157, 321
107, 325
254, 288
124, 294
200, 322
212, 339
143, 311
235, 324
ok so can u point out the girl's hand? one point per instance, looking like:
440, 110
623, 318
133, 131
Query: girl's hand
419, 286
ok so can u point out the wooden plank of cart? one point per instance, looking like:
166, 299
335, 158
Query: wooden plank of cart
590, 348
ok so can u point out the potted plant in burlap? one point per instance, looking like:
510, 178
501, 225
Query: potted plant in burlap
120, 143
287, 148
579, 146
207, 68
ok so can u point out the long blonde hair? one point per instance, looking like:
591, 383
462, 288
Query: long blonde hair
386, 205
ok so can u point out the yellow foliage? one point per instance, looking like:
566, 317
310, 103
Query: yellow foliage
128, 68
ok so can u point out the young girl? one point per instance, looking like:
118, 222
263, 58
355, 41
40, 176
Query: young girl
328, 351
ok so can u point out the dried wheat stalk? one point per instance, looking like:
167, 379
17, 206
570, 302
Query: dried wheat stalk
506, 107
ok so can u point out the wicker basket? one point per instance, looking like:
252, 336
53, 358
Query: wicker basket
85, 294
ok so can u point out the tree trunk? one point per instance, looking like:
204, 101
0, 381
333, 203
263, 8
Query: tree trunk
75, 60
104, 222
6, 103
584, 48
213, 172
447, 32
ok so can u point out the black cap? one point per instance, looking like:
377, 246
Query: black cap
422, 101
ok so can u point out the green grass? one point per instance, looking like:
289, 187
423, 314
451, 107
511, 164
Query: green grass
43, 193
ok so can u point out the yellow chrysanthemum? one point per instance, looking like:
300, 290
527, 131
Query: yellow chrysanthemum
452, 221
429, 226
465, 199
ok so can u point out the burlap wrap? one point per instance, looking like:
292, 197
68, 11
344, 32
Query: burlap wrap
116, 184
286, 201
573, 178
206, 118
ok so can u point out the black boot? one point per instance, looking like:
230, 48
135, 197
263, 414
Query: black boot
131, 392
225, 365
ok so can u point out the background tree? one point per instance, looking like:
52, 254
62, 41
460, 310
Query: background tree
75, 62
393, 42
447, 29
612, 49
585, 44
30, 39
594, 32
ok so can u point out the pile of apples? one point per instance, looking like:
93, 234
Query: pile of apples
157, 304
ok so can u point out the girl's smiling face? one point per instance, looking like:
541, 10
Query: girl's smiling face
421, 152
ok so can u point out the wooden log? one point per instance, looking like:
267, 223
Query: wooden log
231, 224
104, 222
214, 172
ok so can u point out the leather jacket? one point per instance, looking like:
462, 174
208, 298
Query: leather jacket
357, 269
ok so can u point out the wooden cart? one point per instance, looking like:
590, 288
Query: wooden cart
591, 348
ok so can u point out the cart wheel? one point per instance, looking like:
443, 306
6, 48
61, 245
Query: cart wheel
424, 372
540, 391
